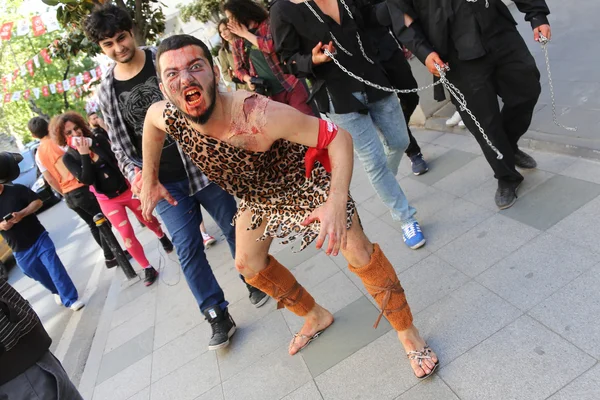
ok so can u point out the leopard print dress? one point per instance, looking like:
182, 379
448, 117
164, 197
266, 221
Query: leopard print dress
272, 185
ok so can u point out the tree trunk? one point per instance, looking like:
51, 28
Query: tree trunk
140, 25
67, 106
34, 108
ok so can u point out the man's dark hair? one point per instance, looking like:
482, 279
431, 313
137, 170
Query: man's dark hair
92, 113
246, 11
177, 42
106, 21
38, 127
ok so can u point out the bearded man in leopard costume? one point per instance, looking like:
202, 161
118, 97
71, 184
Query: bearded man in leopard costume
292, 173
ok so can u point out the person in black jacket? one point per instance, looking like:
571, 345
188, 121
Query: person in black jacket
28, 370
487, 58
90, 159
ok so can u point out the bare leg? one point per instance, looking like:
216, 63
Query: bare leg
202, 227
252, 258
359, 253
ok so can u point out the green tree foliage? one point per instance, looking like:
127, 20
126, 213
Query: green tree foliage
202, 10
16, 52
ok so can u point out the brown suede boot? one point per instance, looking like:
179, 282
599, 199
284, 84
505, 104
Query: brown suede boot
279, 283
382, 283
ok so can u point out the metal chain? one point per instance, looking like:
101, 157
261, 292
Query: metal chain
544, 42
453, 90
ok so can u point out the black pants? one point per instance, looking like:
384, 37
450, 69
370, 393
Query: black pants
84, 203
400, 75
508, 70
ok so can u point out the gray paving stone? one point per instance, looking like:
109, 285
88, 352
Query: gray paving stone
537, 270
585, 120
486, 244
244, 313
433, 388
253, 342
365, 215
142, 395
552, 201
584, 170
582, 227
465, 143
425, 135
466, 178
433, 151
143, 304
333, 294
445, 280
585, 387
551, 162
444, 165
315, 270
215, 393
172, 297
378, 371
351, 331
290, 259
126, 383
180, 351
463, 319
234, 289
572, 311
130, 329
546, 362
176, 324
375, 207
451, 221
391, 243
362, 191
127, 295
126, 355
190, 380
271, 378
308, 391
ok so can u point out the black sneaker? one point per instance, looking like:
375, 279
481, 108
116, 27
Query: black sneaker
506, 194
111, 263
524, 160
222, 326
419, 165
166, 244
258, 298
150, 275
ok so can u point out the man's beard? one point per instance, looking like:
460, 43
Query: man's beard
205, 116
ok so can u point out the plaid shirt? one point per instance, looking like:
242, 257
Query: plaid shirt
243, 65
124, 149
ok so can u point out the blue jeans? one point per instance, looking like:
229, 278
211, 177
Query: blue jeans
183, 223
380, 157
41, 263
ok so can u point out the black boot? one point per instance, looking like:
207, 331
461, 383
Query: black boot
166, 244
223, 327
506, 194
257, 297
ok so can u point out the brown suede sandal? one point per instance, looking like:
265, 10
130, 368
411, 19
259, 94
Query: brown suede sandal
420, 355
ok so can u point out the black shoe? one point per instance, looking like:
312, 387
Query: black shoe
166, 244
222, 326
258, 298
418, 164
150, 275
506, 194
111, 263
524, 160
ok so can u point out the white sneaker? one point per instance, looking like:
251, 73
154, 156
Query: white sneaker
461, 124
454, 120
58, 300
78, 305
208, 241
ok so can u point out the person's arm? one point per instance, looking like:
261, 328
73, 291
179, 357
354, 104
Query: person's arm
34, 204
52, 181
262, 39
83, 171
285, 122
240, 69
153, 139
225, 67
536, 13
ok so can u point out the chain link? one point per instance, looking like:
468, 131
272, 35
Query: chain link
453, 90
544, 42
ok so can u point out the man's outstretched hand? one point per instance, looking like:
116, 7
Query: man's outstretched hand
150, 195
332, 216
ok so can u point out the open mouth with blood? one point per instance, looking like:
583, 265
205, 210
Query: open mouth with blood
193, 97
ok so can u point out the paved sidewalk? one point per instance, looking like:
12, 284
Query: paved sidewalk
509, 300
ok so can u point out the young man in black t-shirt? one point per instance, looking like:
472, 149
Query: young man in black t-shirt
31, 245
125, 94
